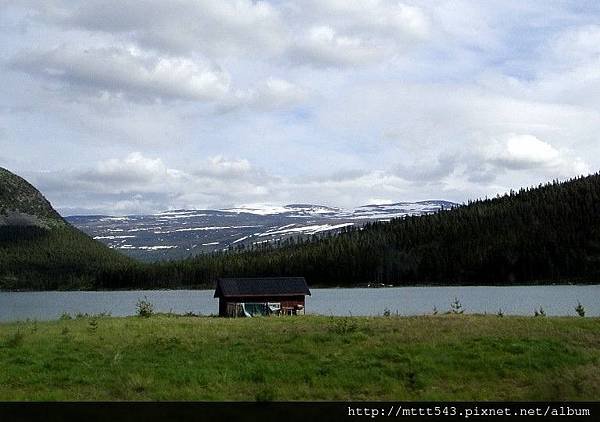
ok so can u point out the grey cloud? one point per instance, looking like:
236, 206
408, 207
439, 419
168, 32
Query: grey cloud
339, 176
428, 170
481, 172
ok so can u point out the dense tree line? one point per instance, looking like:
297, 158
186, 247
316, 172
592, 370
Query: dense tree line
61, 257
549, 233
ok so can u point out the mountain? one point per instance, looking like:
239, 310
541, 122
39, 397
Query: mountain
23, 205
179, 234
40, 250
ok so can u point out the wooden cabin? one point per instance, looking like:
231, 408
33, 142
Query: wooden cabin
239, 297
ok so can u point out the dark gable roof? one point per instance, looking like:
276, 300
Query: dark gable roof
264, 286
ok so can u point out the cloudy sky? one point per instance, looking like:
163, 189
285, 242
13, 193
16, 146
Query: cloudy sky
118, 106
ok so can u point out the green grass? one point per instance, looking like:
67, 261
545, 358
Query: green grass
447, 357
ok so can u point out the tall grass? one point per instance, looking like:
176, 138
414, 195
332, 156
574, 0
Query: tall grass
164, 357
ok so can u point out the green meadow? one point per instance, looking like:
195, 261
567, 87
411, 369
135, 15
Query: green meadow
168, 357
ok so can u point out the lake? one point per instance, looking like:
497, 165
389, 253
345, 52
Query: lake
513, 300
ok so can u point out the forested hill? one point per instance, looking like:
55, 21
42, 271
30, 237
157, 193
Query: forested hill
39, 250
546, 234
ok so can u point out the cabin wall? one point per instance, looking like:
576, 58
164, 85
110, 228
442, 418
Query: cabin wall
285, 301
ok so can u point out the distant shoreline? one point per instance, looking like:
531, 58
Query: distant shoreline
362, 286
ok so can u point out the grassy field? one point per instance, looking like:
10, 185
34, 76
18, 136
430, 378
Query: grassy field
453, 357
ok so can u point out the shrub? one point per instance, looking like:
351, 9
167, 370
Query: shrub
386, 312
456, 307
580, 309
500, 313
144, 308
539, 313
65, 316
343, 325
93, 324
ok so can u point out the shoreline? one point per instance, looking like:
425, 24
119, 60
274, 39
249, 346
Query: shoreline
524, 284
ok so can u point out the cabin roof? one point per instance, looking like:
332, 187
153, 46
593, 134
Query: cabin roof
261, 286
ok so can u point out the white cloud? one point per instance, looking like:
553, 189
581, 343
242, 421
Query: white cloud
363, 30
523, 152
276, 92
322, 45
127, 71
183, 26
135, 168
394, 19
577, 45
138, 184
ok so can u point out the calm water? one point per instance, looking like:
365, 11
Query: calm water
516, 300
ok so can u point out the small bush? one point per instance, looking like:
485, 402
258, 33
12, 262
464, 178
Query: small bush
539, 312
580, 309
435, 310
456, 307
343, 325
387, 312
500, 313
93, 324
144, 308
65, 316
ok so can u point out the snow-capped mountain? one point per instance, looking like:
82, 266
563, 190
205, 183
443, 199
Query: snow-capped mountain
400, 209
181, 233
293, 210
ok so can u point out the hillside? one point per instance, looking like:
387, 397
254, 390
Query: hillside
39, 250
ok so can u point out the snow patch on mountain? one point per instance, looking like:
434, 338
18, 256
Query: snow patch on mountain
180, 233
